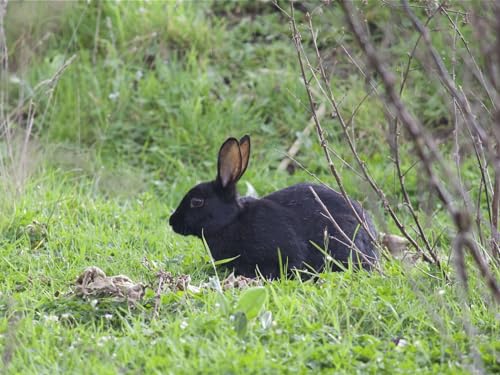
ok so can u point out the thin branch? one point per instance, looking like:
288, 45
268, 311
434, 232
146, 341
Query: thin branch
96, 35
481, 77
4, 71
387, 206
350, 242
162, 277
444, 75
462, 241
298, 45
424, 145
397, 162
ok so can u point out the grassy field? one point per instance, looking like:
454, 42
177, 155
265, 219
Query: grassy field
134, 120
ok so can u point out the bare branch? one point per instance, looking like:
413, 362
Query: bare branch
298, 46
349, 241
444, 75
424, 145
387, 206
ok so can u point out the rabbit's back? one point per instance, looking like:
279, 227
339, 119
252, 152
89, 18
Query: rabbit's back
300, 197
312, 223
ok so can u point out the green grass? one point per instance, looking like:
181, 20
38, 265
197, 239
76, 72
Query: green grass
135, 122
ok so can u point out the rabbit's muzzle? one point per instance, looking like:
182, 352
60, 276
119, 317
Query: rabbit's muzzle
178, 224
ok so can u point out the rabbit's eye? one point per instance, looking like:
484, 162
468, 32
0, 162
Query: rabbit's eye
197, 202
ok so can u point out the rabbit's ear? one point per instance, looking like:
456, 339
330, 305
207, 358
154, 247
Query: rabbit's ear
245, 153
229, 163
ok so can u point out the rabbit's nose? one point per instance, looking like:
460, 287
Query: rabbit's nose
175, 219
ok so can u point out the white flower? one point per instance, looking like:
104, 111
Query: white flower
51, 318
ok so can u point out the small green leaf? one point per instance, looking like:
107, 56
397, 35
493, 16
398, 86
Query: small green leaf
223, 304
266, 319
149, 293
214, 283
240, 323
225, 260
252, 301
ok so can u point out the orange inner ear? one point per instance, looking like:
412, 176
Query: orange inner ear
245, 153
229, 162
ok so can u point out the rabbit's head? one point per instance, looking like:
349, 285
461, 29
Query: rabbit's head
210, 206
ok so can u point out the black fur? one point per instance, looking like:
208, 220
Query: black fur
286, 221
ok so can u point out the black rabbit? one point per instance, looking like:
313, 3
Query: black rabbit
278, 229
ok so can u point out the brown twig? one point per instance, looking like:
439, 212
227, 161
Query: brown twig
462, 241
162, 277
459, 258
494, 220
96, 34
478, 215
495, 77
483, 268
4, 70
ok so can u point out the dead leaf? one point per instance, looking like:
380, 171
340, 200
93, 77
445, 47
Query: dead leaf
395, 244
239, 282
37, 233
398, 247
173, 283
93, 282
